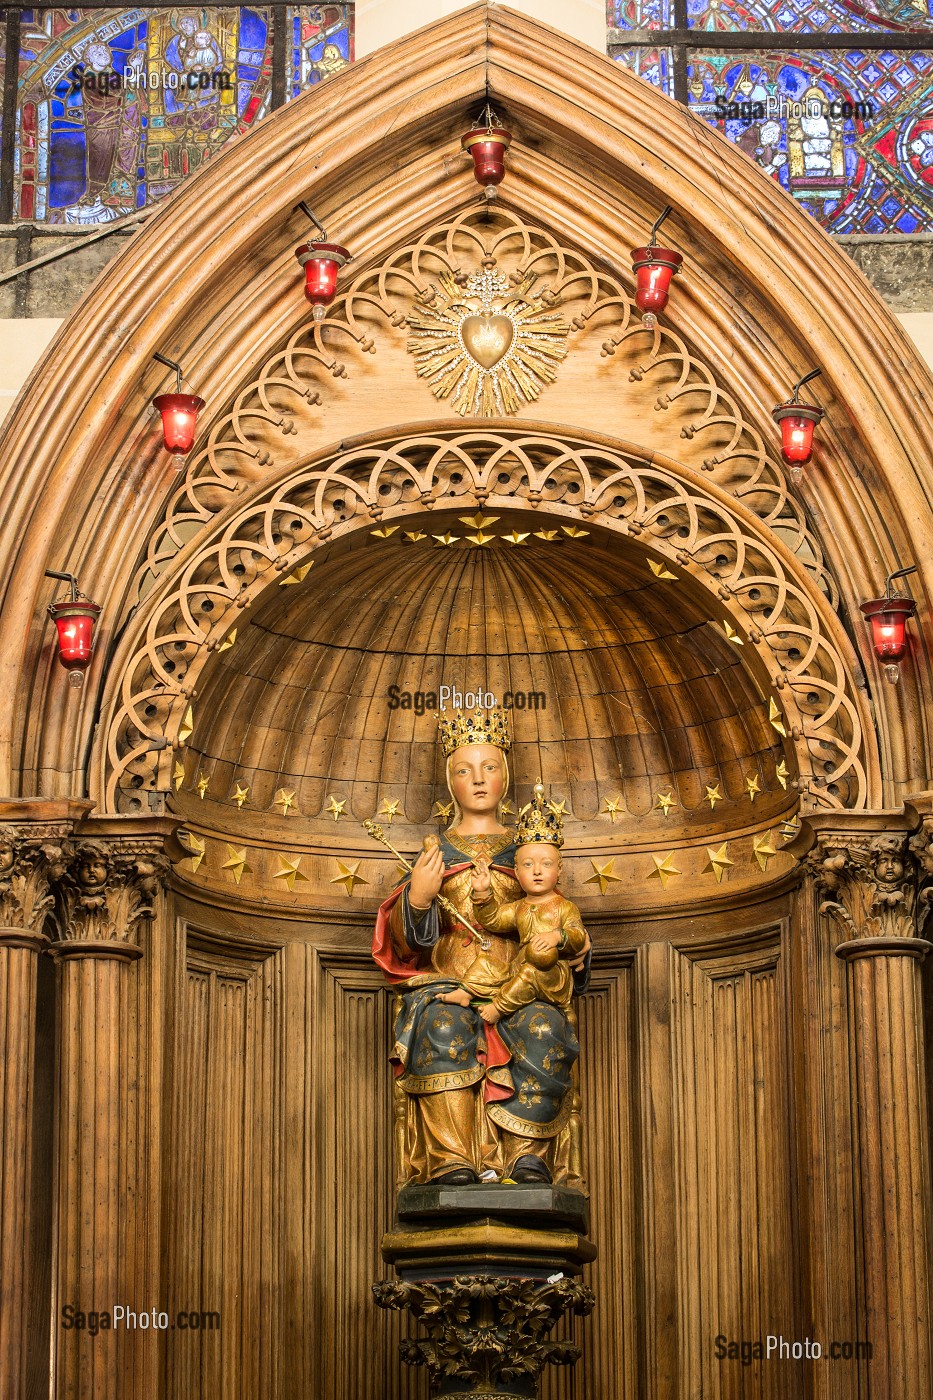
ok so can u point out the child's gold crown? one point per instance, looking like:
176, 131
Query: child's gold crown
539, 822
480, 727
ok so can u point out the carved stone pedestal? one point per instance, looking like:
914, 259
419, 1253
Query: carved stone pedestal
486, 1272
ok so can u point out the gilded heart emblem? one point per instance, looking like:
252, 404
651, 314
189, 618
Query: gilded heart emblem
487, 337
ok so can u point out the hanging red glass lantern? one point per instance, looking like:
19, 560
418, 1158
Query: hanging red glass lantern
654, 267
179, 413
322, 262
888, 617
487, 143
74, 618
797, 421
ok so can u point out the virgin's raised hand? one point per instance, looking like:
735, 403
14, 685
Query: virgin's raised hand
426, 878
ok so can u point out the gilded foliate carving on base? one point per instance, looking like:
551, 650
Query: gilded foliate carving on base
486, 1332
487, 346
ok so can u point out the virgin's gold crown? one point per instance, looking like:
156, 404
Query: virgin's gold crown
539, 822
480, 727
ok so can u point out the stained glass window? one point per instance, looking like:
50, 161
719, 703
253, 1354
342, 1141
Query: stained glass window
847, 129
116, 107
321, 44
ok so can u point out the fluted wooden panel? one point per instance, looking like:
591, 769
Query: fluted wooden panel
734, 1230
226, 1204
17, 1047
90, 1205
348, 1163
608, 1338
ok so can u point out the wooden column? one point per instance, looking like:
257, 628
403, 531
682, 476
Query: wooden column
109, 890
33, 849
871, 877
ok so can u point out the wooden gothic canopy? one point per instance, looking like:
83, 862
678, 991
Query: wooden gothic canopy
300, 416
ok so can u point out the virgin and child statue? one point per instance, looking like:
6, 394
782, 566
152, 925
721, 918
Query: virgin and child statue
486, 955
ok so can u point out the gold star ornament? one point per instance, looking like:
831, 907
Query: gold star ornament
713, 795
664, 801
236, 861
347, 875
763, 849
557, 809
202, 785
285, 800
516, 538
781, 773
478, 521
612, 807
603, 875
228, 641
445, 811
481, 539
719, 861
242, 794
187, 726
733, 635
389, 810
447, 538
775, 718
660, 571
664, 869
288, 870
384, 531
196, 849
178, 775
296, 576
753, 786
335, 808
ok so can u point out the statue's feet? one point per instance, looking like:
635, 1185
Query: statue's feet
460, 1176
460, 997
531, 1170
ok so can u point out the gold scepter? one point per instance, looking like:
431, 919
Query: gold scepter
376, 831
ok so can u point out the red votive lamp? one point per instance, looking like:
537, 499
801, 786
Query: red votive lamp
654, 267
321, 262
179, 420
74, 620
888, 617
797, 421
487, 145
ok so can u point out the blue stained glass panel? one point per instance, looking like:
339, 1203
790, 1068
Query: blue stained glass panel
848, 134
654, 66
640, 14
320, 44
810, 16
116, 107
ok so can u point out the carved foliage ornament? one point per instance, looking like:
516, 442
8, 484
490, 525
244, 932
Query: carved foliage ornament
486, 348
486, 1332
108, 889
30, 862
875, 886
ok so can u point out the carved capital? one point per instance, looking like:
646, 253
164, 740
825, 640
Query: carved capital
486, 1335
32, 859
874, 873
108, 888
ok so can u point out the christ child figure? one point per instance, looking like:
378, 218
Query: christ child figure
547, 924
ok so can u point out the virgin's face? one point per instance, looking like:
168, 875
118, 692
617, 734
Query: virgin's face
477, 777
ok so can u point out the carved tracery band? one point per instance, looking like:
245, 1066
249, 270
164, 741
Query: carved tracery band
747, 573
269, 413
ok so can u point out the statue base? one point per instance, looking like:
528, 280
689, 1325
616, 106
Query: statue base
486, 1271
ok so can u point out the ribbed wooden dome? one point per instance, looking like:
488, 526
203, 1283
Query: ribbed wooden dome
639, 691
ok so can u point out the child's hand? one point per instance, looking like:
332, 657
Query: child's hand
545, 942
490, 1015
479, 879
